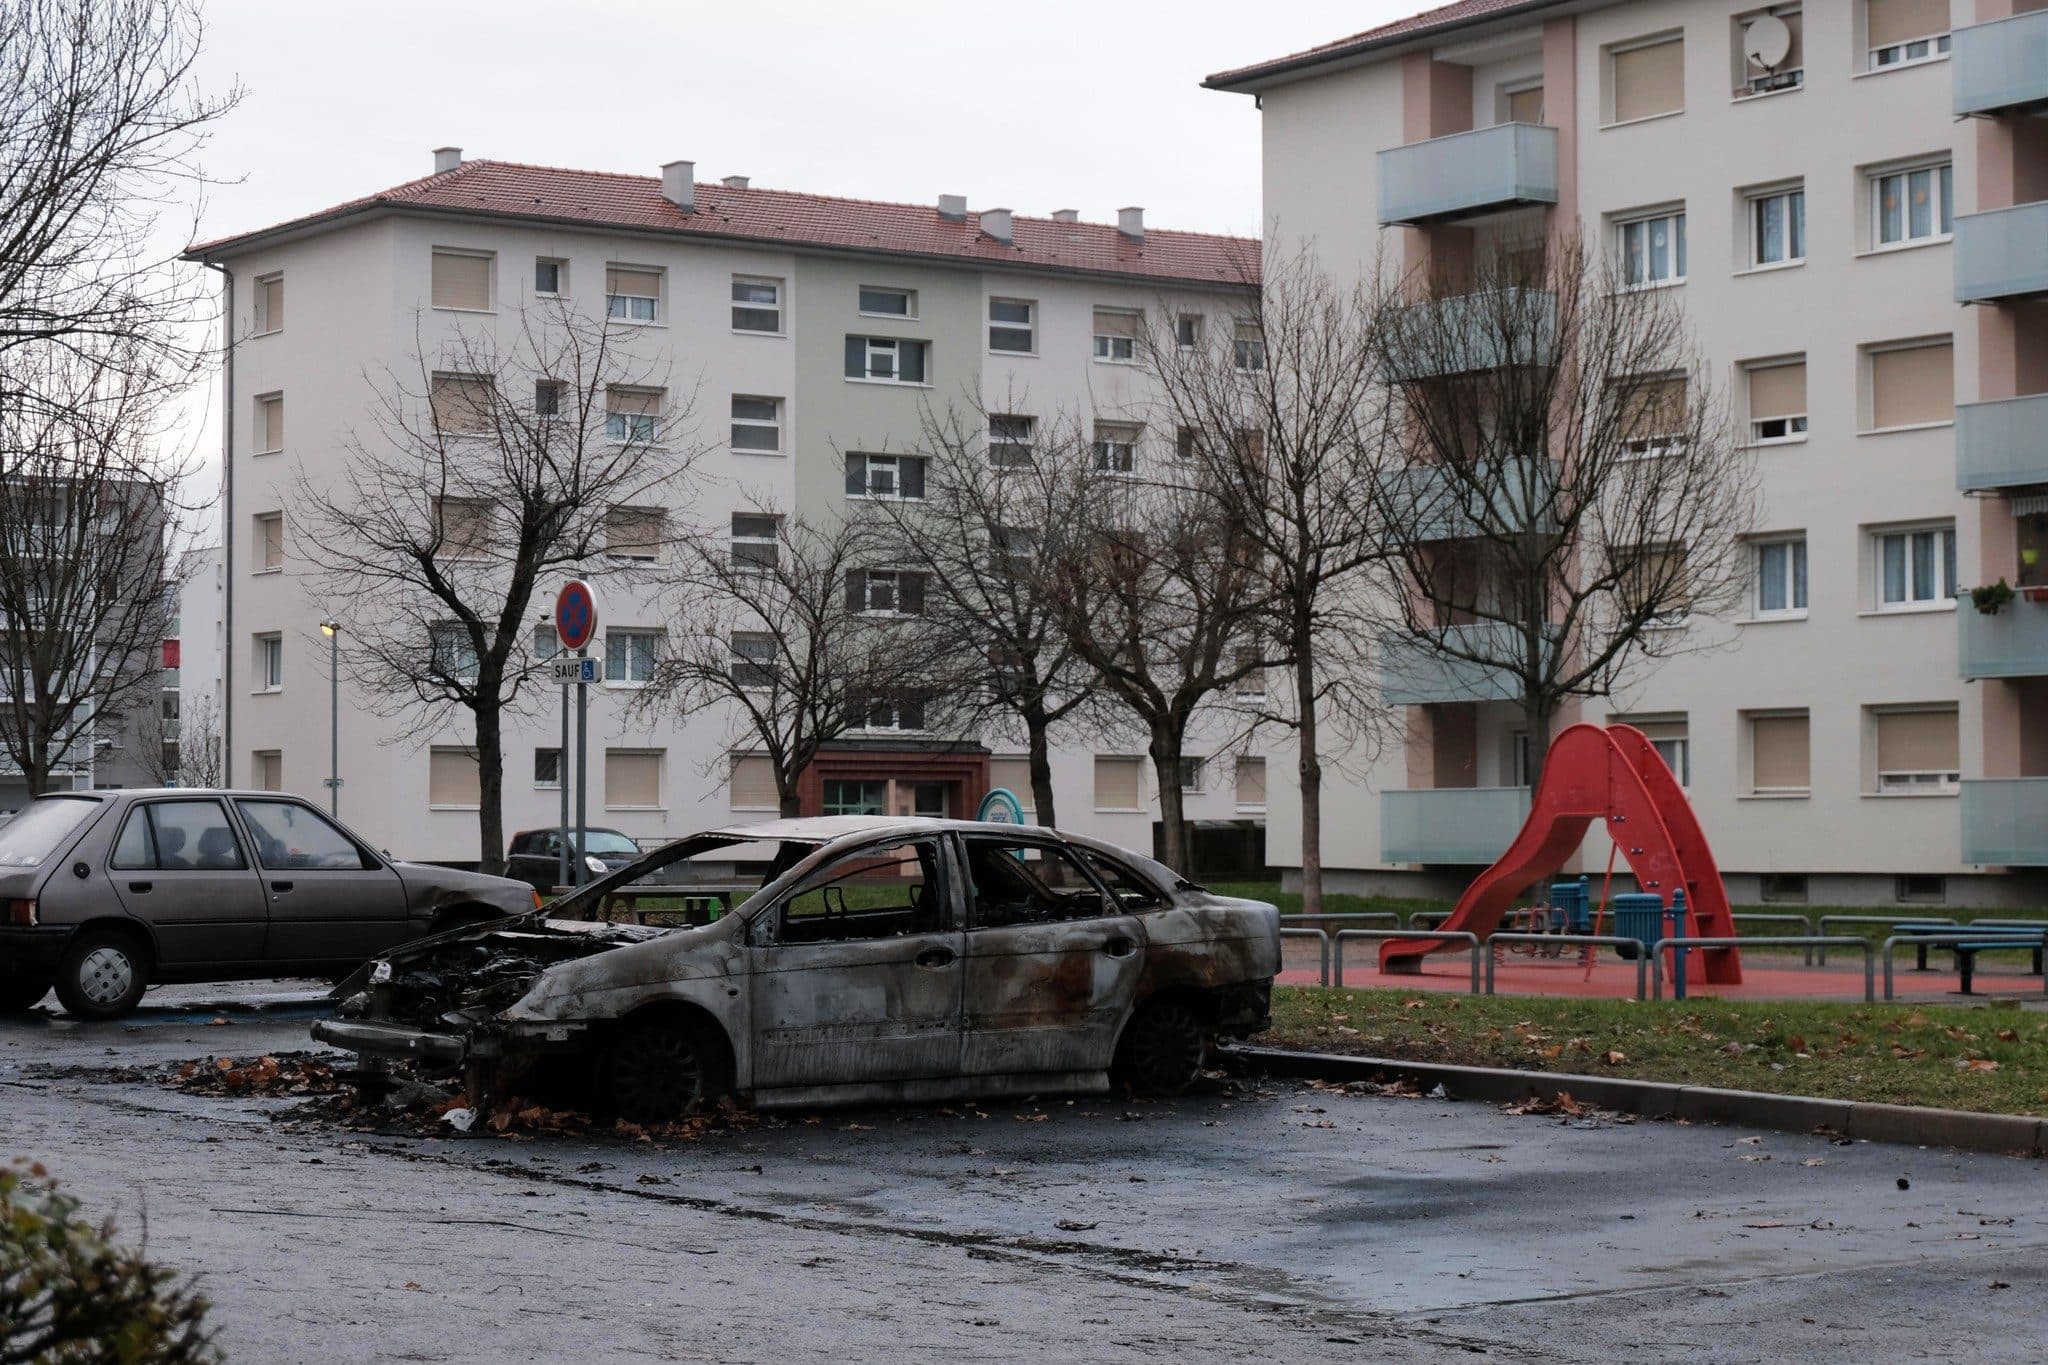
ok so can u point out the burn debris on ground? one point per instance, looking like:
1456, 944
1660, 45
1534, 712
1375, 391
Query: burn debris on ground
290, 1074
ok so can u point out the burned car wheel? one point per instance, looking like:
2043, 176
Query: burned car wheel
1162, 1049
19, 994
661, 1069
103, 975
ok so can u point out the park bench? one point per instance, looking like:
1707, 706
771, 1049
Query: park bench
1966, 941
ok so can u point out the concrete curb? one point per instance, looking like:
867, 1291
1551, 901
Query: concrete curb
2007, 1134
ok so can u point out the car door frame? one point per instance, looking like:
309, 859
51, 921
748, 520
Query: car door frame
193, 947
322, 940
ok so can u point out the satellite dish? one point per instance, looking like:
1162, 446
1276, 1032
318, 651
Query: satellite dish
1767, 41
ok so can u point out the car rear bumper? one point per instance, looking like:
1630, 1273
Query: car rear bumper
395, 1042
33, 950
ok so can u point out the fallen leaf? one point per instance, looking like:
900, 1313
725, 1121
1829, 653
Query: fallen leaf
1815, 1161
1072, 1225
1980, 1064
1763, 1225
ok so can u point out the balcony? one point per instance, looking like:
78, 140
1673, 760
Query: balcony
1470, 825
1506, 499
2002, 254
2000, 67
2012, 644
2002, 444
1413, 674
2005, 821
1472, 333
1464, 175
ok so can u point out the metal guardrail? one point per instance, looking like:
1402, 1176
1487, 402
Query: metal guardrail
1592, 940
1821, 925
1470, 940
1805, 922
1323, 941
1392, 917
1964, 934
1821, 941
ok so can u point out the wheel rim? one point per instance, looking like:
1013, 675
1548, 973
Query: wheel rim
106, 975
657, 1072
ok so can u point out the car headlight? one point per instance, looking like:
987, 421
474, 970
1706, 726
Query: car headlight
595, 864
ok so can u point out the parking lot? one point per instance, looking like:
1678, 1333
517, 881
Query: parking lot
1247, 1219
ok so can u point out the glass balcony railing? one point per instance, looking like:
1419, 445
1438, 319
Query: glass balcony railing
2011, 644
1471, 333
1466, 174
2005, 821
2000, 66
2003, 443
1502, 499
1418, 672
1470, 825
2002, 254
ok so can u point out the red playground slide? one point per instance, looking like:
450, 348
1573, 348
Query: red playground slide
1592, 774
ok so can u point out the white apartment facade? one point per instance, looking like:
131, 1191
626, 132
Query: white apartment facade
1864, 267
752, 302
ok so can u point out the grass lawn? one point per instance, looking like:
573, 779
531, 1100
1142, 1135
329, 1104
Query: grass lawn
1992, 1059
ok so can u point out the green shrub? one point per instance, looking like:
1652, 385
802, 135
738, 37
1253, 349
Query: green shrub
70, 1294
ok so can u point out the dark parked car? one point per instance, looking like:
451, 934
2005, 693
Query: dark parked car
104, 893
535, 855
878, 959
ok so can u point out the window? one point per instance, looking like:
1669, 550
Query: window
886, 360
1912, 384
1251, 784
1789, 72
1009, 440
844, 796
632, 294
902, 711
632, 779
266, 770
1777, 402
751, 784
1652, 584
1014, 548
550, 276
755, 540
453, 778
1782, 888
878, 892
631, 414
1191, 773
1777, 228
1916, 568
885, 476
546, 642
1521, 104
1646, 79
1780, 577
1652, 248
1780, 753
269, 309
547, 769
756, 305
454, 652
1116, 335
1918, 752
269, 423
183, 836
1902, 31
462, 279
269, 542
460, 403
291, 838
1251, 684
885, 592
1187, 331
270, 663
756, 424
753, 659
635, 532
1012, 326
1654, 413
1248, 347
1012, 775
1913, 205
464, 525
1119, 782
888, 303
629, 656
547, 397
1920, 888
1671, 737
1017, 882
1116, 447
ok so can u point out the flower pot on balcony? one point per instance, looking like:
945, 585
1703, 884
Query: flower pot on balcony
1991, 596
2037, 592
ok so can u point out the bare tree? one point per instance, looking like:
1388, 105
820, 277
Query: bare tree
184, 751
1576, 491
1280, 418
503, 463
782, 632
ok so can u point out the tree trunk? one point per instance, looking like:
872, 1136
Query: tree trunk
1537, 714
1039, 743
1166, 753
1309, 774
490, 771
789, 804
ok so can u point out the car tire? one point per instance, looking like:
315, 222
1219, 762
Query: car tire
103, 975
1162, 1049
658, 1070
19, 994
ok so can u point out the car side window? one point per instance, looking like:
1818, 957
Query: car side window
1016, 882
1132, 892
879, 892
135, 850
291, 837
194, 836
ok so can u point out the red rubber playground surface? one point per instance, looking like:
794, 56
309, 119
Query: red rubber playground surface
1772, 977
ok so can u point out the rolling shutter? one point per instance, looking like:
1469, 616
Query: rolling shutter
752, 785
1014, 776
1251, 782
270, 417
1526, 106
632, 777
271, 299
1117, 783
460, 403
1918, 742
1896, 21
453, 778
1114, 324
643, 284
1777, 391
1649, 80
461, 281
1912, 385
633, 402
1781, 756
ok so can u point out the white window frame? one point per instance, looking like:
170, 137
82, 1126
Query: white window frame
1678, 748
626, 634
909, 297
270, 661
561, 289
1777, 82
1187, 330
1029, 326
1626, 253
1753, 208
894, 464
871, 347
1794, 424
538, 783
895, 705
1195, 767
1794, 584
893, 606
1944, 172
739, 660
1248, 352
773, 425
773, 540
263, 402
622, 307
447, 640
1114, 449
1116, 350
261, 323
636, 426
1944, 533
1914, 782
263, 522
490, 285
740, 305
1932, 47
1025, 451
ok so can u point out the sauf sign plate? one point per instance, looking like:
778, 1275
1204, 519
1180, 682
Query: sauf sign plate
572, 672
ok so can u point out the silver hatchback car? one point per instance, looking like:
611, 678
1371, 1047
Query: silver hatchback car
103, 893
863, 959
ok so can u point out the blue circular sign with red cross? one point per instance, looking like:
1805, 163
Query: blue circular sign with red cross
575, 614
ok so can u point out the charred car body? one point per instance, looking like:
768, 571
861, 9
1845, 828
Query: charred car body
879, 959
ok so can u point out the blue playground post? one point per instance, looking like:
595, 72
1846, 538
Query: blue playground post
1676, 916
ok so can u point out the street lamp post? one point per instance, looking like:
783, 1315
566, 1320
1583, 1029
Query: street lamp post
331, 628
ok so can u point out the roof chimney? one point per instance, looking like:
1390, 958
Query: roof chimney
1131, 223
953, 207
679, 184
735, 182
446, 159
1066, 215
996, 223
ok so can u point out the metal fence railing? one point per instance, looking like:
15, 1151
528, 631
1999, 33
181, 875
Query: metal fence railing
1821, 925
1821, 941
1470, 941
1589, 940
1322, 947
1964, 933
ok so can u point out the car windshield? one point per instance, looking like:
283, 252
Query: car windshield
34, 834
605, 841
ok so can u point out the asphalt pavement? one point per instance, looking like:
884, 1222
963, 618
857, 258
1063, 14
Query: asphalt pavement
1244, 1221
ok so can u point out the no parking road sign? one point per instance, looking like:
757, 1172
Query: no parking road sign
575, 614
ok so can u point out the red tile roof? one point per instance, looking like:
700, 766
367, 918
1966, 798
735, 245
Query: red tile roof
1450, 16
504, 189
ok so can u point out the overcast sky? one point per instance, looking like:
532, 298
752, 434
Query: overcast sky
1032, 106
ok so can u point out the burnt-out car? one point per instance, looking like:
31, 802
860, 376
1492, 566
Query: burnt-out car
879, 959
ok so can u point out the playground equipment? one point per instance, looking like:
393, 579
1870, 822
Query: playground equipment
1614, 775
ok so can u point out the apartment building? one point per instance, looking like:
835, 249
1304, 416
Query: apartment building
1848, 196
804, 335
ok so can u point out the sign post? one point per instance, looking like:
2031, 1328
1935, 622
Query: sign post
575, 625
